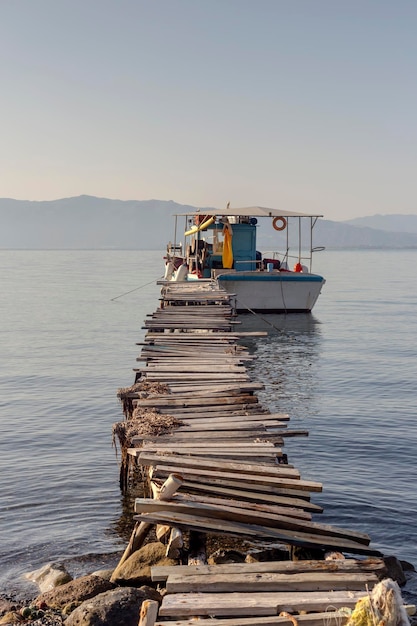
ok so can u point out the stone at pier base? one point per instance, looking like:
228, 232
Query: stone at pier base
136, 570
118, 607
74, 592
49, 576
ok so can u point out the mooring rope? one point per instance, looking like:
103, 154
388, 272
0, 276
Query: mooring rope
136, 289
260, 317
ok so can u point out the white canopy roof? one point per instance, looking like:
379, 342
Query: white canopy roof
252, 211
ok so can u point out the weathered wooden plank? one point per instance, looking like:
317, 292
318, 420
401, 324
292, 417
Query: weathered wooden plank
239, 453
219, 455
201, 324
370, 564
206, 524
311, 619
268, 603
208, 410
224, 435
198, 368
157, 362
231, 336
279, 471
192, 426
167, 401
232, 419
262, 446
214, 389
284, 417
230, 513
208, 478
250, 496
268, 581
239, 504
186, 376
293, 483
148, 613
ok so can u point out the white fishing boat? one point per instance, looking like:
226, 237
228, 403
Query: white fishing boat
221, 245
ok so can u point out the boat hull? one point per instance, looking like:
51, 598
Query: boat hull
272, 292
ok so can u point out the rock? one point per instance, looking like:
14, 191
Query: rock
226, 556
136, 570
333, 556
407, 567
268, 554
76, 591
11, 618
151, 593
49, 576
298, 553
118, 607
6, 606
103, 573
395, 570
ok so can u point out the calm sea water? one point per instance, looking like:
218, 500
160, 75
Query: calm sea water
347, 373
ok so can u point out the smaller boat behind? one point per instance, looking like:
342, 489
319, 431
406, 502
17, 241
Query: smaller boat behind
222, 246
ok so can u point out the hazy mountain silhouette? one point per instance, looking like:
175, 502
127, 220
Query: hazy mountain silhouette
88, 222
392, 223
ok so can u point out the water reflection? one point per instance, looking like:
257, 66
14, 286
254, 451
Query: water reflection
287, 361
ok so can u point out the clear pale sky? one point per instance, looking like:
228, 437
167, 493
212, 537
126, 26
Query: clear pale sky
307, 105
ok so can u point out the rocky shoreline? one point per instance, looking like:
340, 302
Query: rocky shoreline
114, 597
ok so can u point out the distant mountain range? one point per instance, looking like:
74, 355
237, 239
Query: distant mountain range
88, 222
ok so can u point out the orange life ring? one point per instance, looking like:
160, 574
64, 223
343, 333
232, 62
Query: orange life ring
278, 220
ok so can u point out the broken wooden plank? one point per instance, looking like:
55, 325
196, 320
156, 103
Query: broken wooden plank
278, 471
239, 504
311, 619
250, 496
371, 564
254, 604
292, 484
269, 581
207, 524
227, 512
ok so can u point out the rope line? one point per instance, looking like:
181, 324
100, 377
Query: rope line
135, 289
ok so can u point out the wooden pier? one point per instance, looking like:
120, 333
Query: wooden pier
211, 459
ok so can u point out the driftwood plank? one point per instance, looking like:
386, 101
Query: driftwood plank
253, 445
228, 512
214, 436
370, 564
161, 471
176, 376
279, 471
191, 452
239, 504
311, 619
293, 484
207, 524
242, 408
250, 496
191, 427
190, 401
148, 613
268, 603
236, 420
307, 582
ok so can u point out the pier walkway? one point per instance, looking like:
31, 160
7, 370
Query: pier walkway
212, 461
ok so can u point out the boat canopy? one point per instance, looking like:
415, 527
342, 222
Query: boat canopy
252, 211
